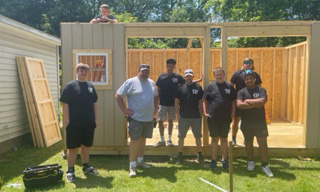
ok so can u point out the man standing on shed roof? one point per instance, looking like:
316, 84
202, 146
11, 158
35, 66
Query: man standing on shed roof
104, 16
79, 106
142, 95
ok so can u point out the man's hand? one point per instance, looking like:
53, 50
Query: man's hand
207, 115
128, 112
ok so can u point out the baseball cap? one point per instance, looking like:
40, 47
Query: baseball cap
249, 72
188, 72
144, 67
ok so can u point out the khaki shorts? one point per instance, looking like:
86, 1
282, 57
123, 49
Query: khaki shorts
186, 123
165, 111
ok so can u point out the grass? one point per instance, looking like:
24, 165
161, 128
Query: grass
291, 174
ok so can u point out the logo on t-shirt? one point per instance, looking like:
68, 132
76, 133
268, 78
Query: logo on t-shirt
175, 80
256, 95
227, 91
195, 91
90, 89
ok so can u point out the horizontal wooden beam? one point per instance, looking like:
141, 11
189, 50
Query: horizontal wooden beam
268, 31
296, 45
192, 151
264, 23
157, 32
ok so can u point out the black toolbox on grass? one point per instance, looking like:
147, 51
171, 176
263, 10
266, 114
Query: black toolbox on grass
41, 176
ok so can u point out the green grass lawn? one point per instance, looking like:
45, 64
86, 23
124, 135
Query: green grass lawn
291, 174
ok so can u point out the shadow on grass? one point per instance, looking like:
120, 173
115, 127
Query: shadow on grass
240, 168
94, 181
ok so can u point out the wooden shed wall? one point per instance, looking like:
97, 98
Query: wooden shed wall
268, 63
111, 126
13, 116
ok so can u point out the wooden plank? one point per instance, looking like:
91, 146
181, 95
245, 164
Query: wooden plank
284, 85
268, 31
120, 125
156, 32
224, 49
266, 76
35, 69
206, 65
313, 89
296, 84
277, 83
302, 84
290, 72
31, 102
27, 105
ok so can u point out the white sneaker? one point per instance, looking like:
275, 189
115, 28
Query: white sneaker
251, 165
143, 165
267, 171
169, 143
132, 171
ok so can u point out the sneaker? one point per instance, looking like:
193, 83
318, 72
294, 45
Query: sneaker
213, 164
90, 170
70, 177
169, 143
225, 164
179, 159
132, 171
143, 165
159, 144
251, 165
200, 159
267, 171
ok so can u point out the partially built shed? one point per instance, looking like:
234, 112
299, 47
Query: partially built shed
17, 39
290, 74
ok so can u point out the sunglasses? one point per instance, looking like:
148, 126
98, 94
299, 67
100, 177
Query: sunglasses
247, 62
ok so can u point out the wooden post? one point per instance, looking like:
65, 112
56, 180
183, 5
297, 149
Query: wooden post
312, 114
224, 49
205, 80
230, 166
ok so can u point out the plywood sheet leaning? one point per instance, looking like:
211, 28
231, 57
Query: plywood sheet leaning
39, 92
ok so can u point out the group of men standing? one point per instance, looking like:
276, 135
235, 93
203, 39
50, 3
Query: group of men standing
172, 96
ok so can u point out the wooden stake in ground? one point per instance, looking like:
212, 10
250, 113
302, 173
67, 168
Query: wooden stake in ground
230, 166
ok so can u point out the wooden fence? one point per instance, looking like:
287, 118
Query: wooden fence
272, 64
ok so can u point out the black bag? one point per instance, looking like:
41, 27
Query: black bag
41, 176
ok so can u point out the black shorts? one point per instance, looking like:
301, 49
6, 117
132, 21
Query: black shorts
251, 129
79, 135
219, 126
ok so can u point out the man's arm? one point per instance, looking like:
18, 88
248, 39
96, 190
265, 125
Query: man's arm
259, 102
176, 107
65, 111
95, 107
98, 20
122, 106
204, 107
197, 80
241, 104
233, 108
156, 104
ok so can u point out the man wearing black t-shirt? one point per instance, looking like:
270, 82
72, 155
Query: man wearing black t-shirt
104, 16
79, 99
167, 85
219, 107
188, 108
237, 80
251, 100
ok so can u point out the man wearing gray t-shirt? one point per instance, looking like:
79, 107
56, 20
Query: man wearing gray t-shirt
142, 96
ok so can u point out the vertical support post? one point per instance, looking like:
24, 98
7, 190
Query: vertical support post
312, 125
230, 166
224, 49
205, 72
